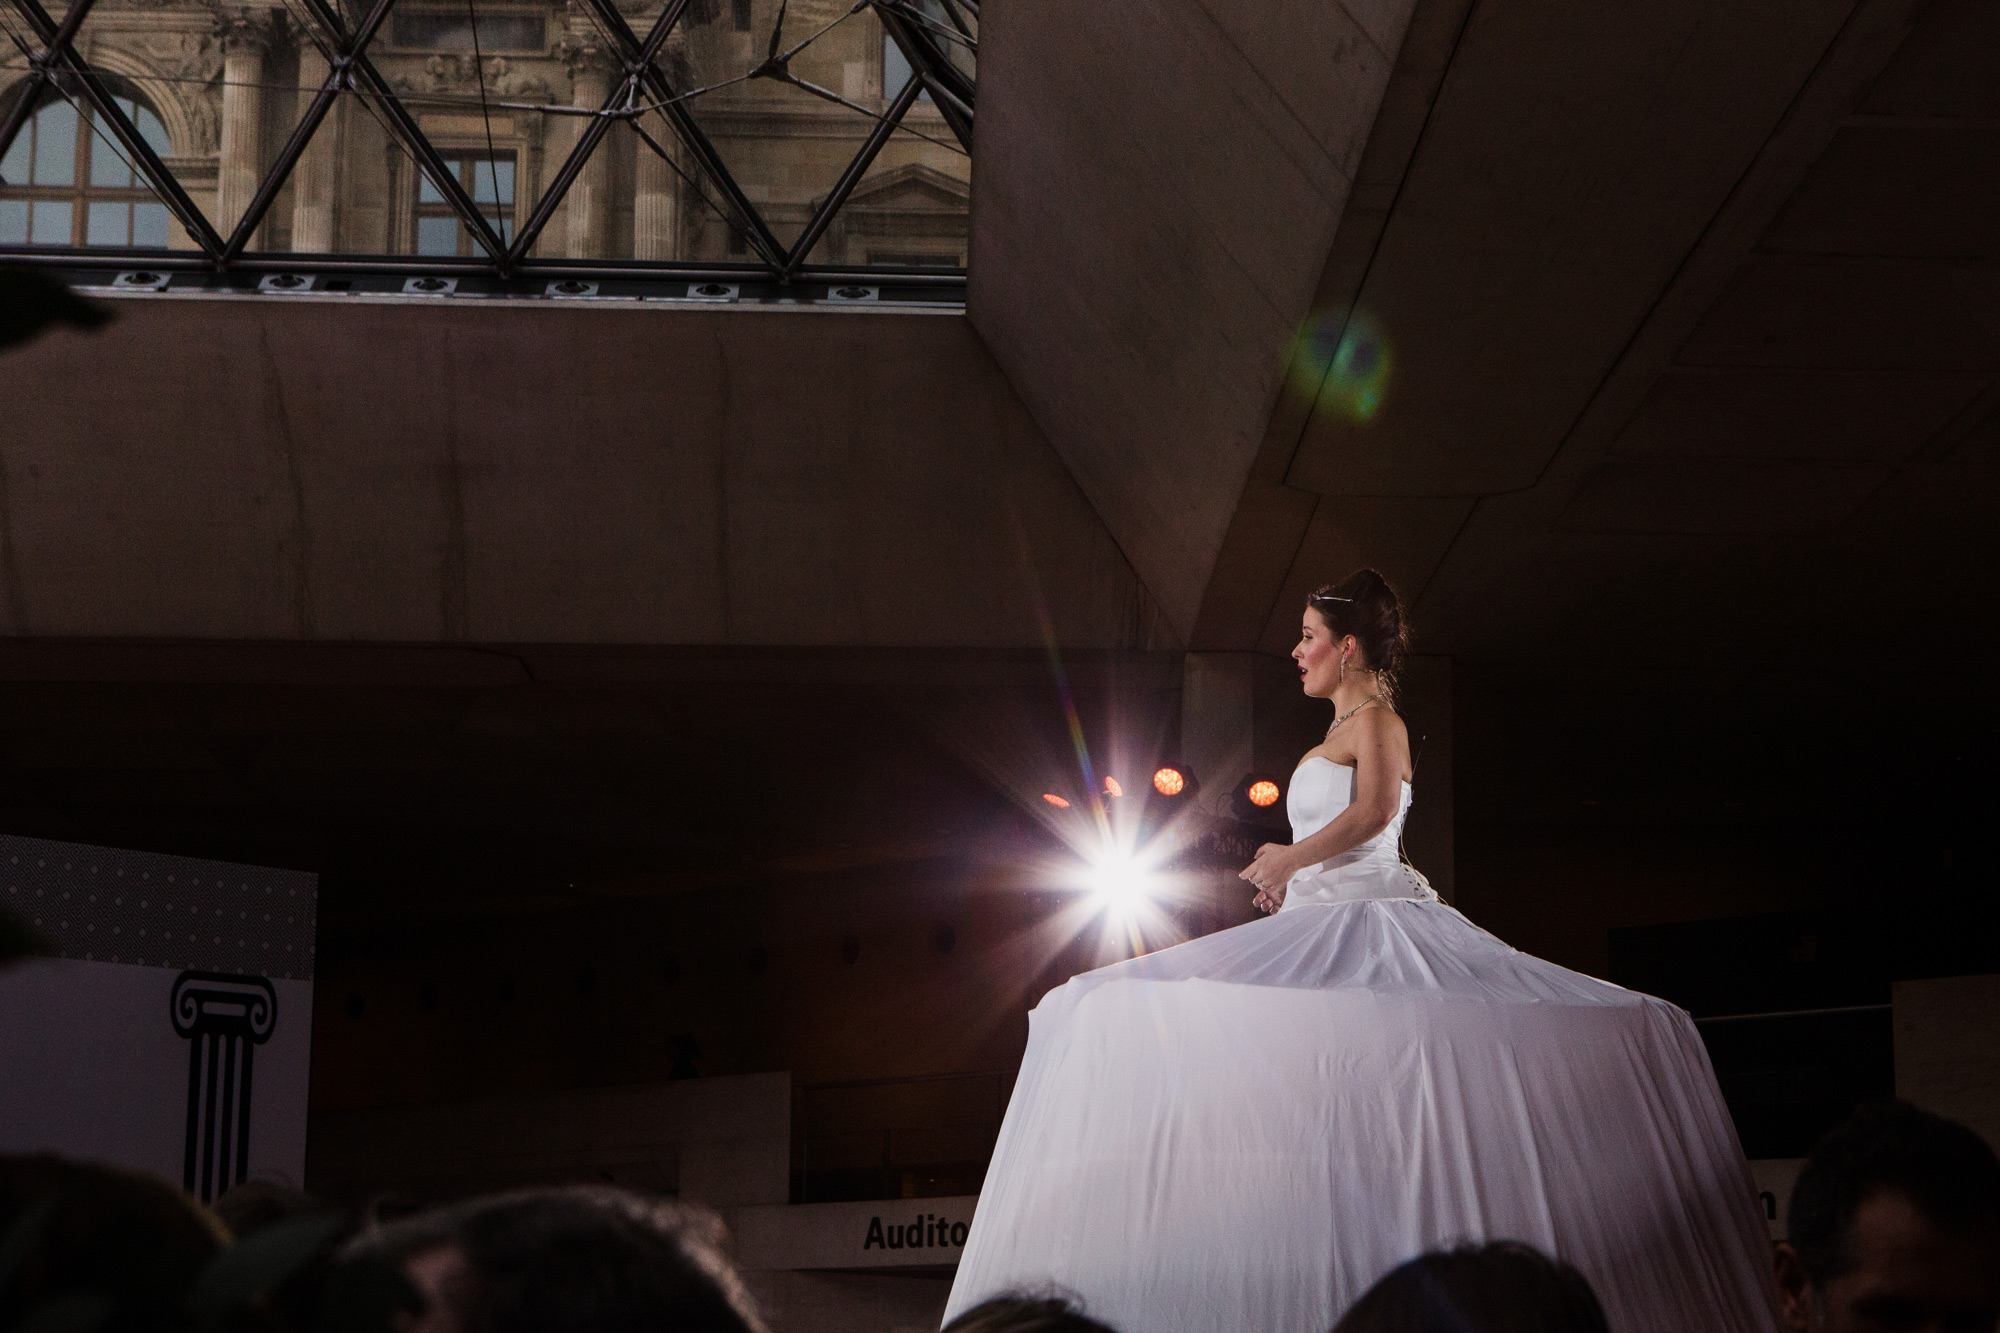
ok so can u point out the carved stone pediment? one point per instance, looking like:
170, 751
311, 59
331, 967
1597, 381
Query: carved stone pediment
247, 29
183, 57
177, 70
459, 74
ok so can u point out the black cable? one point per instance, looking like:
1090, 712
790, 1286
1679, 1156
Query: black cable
485, 114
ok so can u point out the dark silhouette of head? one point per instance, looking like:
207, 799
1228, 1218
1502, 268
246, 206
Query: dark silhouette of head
1026, 1314
1502, 1287
94, 1243
1894, 1223
586, 1259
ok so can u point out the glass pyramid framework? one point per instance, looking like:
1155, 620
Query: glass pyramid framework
767, 139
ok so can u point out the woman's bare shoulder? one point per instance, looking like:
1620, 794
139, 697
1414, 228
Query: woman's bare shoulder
1373, 728
1380, 721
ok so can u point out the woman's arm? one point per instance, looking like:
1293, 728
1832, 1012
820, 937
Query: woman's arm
1378, 795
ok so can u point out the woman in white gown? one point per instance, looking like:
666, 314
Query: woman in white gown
1241, 1133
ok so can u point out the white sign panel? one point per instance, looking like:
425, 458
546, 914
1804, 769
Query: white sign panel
897, 1233
172, 1030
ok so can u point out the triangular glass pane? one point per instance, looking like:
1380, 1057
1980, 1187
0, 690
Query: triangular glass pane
911, 209
949, 28
640, 194
788, 145
357, 188
642, 197
222, 108
70, 180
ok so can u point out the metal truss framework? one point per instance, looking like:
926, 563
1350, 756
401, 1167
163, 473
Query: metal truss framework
927, 32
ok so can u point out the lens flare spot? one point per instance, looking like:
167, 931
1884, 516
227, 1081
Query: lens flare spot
1263, 793
1169, 782
1120, 882
1341, 363
1055, 800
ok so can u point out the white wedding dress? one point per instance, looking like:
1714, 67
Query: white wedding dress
1242, 1133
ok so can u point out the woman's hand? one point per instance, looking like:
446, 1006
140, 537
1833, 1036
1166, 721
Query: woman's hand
1270, 872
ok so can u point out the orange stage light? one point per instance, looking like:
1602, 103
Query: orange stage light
1263, 793
1111, 787
1169, 782
1055, 800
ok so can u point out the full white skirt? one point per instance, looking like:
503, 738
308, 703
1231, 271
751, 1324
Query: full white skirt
1242, 1133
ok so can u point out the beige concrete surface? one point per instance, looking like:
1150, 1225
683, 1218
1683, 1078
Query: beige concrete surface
252, 470
849, 1302
723, 1142
1948, 1049
1157, 186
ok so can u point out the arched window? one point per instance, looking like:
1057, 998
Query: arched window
67, 180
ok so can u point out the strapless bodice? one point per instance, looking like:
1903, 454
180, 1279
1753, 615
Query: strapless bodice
1321, 789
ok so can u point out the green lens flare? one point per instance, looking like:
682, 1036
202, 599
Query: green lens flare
1341, 363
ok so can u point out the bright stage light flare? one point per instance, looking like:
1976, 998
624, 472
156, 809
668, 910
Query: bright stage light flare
1264, 793
1169, 782
1120, 881
1055, 800
1112, 786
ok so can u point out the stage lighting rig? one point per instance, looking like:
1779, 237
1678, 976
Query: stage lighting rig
1258, 799
1174, 781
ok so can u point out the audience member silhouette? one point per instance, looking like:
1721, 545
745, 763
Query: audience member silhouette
257, 1205
1026, 1314
83, 1245
1894, 1225
1501, 1287
579, 1260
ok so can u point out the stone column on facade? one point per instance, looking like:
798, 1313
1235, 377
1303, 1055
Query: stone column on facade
314, 178
245, 38
588, 203
656, 198
403, 175
656, 220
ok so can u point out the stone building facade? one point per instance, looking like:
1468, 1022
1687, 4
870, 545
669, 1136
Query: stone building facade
219, 90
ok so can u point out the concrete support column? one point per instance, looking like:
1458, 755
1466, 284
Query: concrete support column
1218, 721
314, 179
244, 39
589, 200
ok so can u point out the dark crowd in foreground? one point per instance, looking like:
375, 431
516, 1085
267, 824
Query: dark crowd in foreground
1894, 1226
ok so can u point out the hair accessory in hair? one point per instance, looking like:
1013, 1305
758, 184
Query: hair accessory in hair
1327, 597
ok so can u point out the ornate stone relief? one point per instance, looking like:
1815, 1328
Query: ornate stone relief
245, 28
585, 56
460, 74
178, 71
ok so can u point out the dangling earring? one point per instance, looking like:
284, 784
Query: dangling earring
1343, 668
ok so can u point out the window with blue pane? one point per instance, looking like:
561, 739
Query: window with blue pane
489, 179
66, 181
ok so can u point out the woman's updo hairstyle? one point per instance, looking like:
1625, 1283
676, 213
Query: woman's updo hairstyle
1364, 605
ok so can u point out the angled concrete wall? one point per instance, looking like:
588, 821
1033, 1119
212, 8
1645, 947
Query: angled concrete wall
1158, 184
251, 469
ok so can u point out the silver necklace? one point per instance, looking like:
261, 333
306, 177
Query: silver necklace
1351, 712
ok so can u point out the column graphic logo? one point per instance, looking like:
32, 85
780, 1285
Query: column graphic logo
224, 1018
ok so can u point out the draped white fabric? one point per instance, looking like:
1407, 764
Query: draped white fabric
1240, 1134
